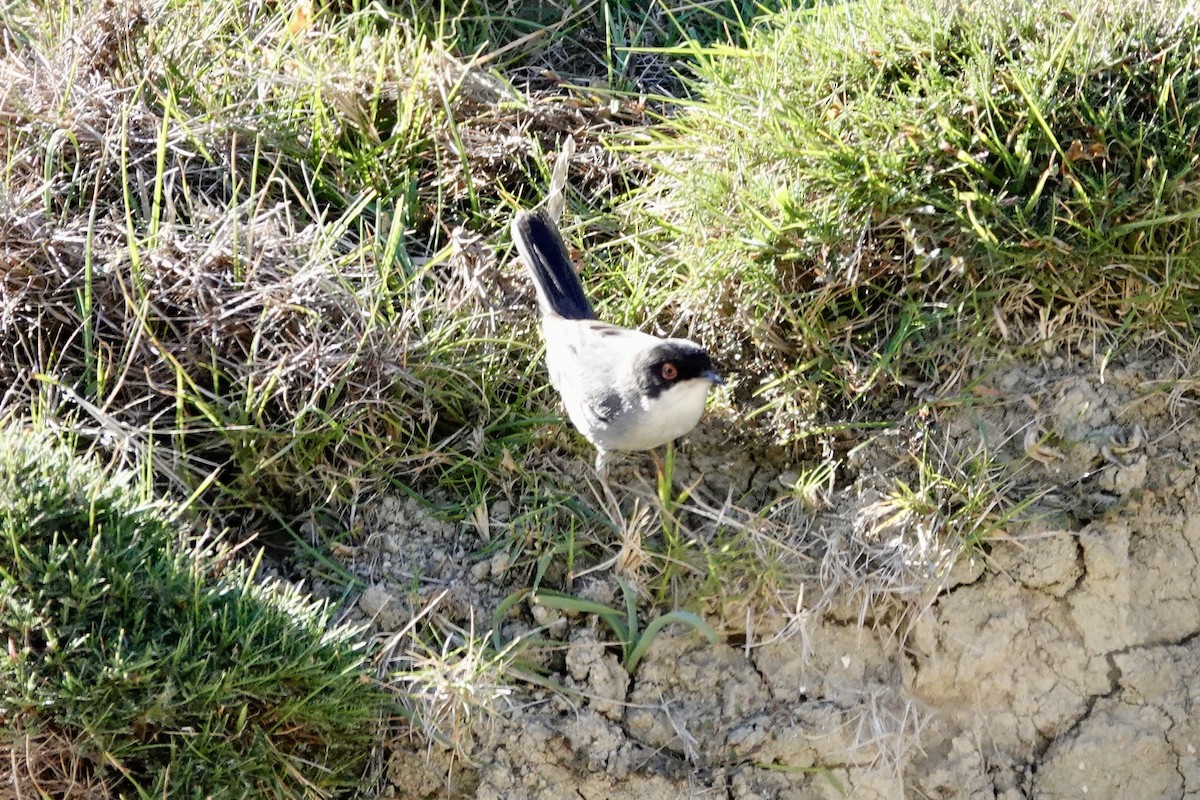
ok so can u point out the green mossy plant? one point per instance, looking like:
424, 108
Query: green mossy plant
170, 670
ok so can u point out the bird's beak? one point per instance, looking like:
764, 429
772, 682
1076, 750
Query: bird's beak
711, 375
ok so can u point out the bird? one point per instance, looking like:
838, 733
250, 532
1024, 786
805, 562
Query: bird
624, 390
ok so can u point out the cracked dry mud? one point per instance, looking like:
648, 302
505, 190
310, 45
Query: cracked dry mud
1057, 659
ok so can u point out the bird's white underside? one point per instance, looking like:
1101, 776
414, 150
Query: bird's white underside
672, 414
572, 354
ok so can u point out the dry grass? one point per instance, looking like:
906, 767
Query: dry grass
274, 307
49, 764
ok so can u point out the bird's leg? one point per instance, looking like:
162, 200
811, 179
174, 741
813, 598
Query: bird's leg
603, 457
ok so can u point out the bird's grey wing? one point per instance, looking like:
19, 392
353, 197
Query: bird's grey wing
602, 402
589, 363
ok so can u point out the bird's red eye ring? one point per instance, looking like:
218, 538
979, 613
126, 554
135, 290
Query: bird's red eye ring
668, 371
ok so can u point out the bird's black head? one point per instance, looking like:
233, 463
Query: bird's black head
672, 362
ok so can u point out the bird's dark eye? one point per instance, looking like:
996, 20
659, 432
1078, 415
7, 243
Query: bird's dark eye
668, 371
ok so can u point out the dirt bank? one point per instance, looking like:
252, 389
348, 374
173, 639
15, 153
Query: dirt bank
1056, 658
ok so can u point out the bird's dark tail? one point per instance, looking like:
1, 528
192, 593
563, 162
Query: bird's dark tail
541, 245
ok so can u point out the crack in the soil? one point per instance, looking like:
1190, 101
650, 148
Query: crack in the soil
1183, 778
1183, 641
1191, 546
1044, 743
1081, 560
762, 676
1114, 676
948, 591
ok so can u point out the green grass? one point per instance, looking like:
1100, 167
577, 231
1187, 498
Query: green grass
888, 188
142, 663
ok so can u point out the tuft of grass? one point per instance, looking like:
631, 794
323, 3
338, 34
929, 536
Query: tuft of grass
245, 246
625, 624
149, 662
882, 184
450, 683
914, 512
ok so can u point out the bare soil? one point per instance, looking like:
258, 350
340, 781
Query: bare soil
1056, 658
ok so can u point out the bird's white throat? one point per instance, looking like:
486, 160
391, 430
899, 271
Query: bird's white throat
667, 417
